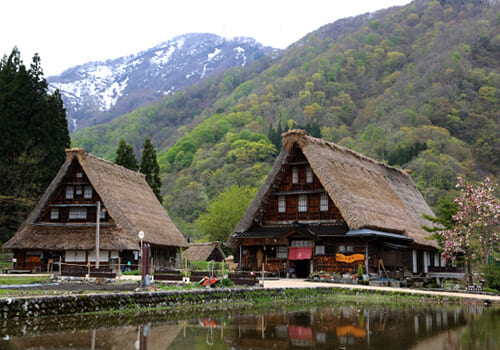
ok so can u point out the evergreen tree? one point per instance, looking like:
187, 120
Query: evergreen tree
125, 156
150, 168
34, 136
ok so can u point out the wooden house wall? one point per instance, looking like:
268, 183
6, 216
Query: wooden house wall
285, 187
58, 199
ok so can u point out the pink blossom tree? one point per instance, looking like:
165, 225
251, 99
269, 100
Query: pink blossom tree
476, 230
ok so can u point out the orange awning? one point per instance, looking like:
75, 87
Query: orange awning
300, 253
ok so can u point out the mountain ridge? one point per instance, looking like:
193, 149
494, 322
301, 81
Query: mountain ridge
99, 91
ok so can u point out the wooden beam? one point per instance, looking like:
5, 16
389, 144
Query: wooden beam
285, 193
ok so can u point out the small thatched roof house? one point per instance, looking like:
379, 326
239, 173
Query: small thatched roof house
204, 252
64, 221
330, 196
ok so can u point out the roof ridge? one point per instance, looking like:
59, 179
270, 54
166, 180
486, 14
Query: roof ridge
111, 163
302, 134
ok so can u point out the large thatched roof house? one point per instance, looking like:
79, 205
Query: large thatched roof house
325, 207
64, 222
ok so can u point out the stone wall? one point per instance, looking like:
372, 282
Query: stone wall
85, 303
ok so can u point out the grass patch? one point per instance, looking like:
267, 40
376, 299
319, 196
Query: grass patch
10, 280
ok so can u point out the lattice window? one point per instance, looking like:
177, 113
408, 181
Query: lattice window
309, 175
77, 213
302, 203
295, 175
323, 202
87, 194
70, 192
282, 252
54, 214
78, 190
281, 204
319, 250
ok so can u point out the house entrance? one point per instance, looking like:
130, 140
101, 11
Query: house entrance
302, 268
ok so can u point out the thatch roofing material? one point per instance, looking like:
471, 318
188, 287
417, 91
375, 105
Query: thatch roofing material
201, 251
128, 199
369, 194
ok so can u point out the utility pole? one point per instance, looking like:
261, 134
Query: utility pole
97, 234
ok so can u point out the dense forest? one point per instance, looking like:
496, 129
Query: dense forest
414, 86
34, 135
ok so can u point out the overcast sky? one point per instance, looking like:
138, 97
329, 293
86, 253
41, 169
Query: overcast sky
66, 33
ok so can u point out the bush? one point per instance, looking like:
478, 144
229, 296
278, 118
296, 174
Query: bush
491, 274
226, 282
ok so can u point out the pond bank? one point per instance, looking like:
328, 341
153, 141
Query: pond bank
12, 308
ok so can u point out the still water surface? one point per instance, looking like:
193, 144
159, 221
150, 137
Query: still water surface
346, 326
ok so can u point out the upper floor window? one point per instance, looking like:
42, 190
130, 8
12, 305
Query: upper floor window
78, 190
77, 213
79, 175
295, 175
54, 214
309, 175
282, 252
345, 249
281, 204
69, 192
102, 214
323, 202
302, 203
87, 194
319, 250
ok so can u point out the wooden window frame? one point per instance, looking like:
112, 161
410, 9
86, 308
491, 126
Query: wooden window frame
54, 214
319, 250
86, 190
323, 202
281, 252
302, 203
295, 175
77, 213
309, 175
281, 204
70, 192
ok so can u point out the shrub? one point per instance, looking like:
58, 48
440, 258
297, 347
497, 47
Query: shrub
226, 282
491, 274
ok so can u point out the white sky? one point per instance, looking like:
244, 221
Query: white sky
66, 33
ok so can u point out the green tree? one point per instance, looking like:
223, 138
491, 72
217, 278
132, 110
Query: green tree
150, 168
224, 212
34, 132
125, 156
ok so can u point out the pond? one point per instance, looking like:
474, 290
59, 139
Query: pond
342, 326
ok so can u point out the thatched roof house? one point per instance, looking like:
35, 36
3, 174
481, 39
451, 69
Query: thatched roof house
368, 198
65, 217
204, 252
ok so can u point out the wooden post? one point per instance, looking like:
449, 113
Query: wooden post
262, 275
88, 268
119, 271
223, 269
60, 265
97, 233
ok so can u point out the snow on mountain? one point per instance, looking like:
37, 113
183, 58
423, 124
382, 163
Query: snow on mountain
97, 92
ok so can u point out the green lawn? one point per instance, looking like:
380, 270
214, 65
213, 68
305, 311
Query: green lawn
8, 280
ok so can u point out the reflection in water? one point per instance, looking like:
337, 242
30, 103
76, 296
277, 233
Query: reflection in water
355, 326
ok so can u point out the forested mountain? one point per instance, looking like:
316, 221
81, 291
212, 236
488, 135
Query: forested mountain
414, 86
98, 92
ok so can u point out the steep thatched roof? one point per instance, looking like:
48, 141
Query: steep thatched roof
202, 251
369, 194
128, 199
